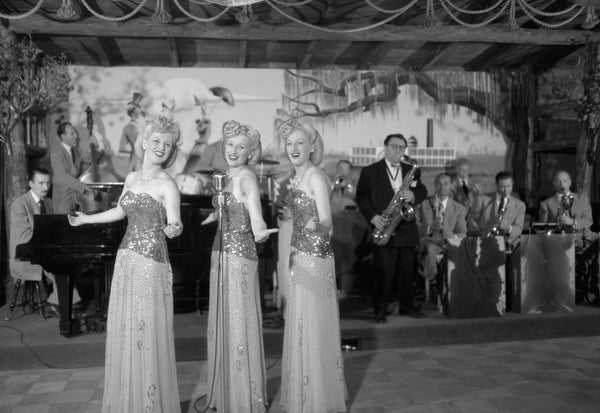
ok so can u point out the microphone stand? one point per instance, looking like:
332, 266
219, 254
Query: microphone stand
219, 180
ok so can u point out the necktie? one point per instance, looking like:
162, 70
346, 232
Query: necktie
73, 155
465, 187
501, 205
42, 206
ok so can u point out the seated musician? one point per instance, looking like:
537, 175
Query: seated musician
22, 211
438, 219
572, 212
499, 213
463, 189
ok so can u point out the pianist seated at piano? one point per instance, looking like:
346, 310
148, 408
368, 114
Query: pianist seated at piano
22, 210
499, 213
438, 219
140, 347
571, 212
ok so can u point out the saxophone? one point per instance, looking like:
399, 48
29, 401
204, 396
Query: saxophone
564, 209
495, 230
398, 209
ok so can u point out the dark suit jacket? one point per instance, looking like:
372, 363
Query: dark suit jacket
374, 192
458, 194
212, 157
455, 222
22, 211
483, 215
65, 185
581, 211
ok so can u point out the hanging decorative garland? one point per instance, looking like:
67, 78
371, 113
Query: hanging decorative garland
287, 9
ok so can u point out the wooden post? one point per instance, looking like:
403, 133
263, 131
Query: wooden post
589, 114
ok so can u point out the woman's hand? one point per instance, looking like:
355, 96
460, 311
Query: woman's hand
262, 236
285, 214
172, 230
76, 220
212, 217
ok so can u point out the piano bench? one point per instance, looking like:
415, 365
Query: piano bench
31, 296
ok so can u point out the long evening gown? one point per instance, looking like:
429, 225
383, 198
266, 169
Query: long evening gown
140, 372
241, 340
313, 367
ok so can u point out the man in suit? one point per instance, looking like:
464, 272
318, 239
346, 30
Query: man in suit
500, 210
438, 219
578, 217
394, 263
463, 190
67, 165
212, 157
22, 211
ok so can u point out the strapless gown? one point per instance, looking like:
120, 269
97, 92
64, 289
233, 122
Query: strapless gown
312, 367
140, 370
241, 341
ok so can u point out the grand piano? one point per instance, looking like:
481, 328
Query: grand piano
70, 252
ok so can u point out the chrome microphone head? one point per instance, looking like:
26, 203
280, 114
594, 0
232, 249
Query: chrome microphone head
220, 181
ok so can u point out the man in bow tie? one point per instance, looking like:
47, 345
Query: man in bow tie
499, 210
438, 219
22, 211
578, 216
393, 263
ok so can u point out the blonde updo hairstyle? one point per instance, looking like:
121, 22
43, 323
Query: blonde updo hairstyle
233, 128
161, 123
314, 137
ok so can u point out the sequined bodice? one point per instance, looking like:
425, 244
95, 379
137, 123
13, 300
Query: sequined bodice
146, 219
310, 242
237, 231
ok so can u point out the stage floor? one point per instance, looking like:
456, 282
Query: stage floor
29, 343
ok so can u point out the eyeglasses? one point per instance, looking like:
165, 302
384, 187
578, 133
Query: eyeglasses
396, 147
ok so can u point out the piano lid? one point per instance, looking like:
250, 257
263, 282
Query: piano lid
53, 231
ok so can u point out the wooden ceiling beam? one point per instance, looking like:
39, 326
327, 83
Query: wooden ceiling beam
424, 56
304, 60
146, 28
337, 50
243, 55
173, 52
372, 56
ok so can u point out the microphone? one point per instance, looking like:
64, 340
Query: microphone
220, 182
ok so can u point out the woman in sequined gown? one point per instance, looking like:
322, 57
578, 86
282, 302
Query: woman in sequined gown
140, 370
234, 332
313, 368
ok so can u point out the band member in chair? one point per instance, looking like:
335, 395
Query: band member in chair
439, 218
566, 208
394, 262
463, 190
499, 213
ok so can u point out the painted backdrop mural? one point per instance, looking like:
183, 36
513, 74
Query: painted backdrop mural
353, 110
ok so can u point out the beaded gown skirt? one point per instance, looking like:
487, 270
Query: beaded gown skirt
140, 370
236, 345
313, 367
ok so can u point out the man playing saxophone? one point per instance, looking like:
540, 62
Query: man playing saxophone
394, 261
499, 213
572, 212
